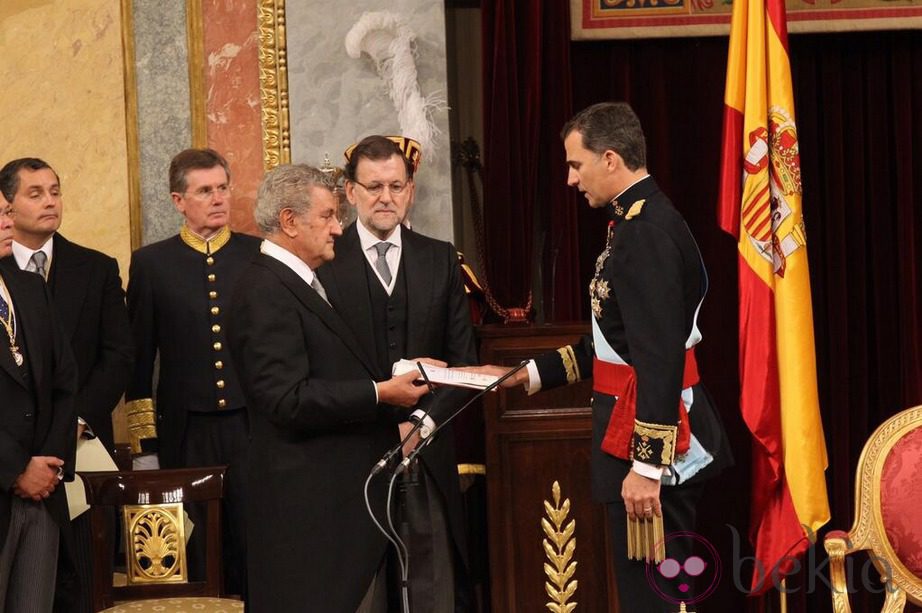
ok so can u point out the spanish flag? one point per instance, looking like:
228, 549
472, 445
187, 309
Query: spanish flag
760, 205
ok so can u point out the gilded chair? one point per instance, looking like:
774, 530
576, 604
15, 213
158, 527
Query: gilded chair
888, 514
150, 506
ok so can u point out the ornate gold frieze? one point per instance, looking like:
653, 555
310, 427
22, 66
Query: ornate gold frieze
559, 547
156, 543
273, 83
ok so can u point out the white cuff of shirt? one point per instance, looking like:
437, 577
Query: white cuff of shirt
427, 421
650, 471
533, 386
375, 385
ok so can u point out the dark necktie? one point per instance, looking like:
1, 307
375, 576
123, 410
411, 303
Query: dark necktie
381, 263
37, 263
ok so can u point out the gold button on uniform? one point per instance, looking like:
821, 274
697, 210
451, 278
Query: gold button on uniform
216, 328
219, 364
211, 278
217, 346
220, 384
209, 260
212, 294
222, 403
215, 310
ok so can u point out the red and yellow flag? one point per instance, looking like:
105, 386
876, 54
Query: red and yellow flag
760, 205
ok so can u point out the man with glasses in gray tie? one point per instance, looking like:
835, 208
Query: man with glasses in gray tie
178, 291
37, 383
90, 304
401, 294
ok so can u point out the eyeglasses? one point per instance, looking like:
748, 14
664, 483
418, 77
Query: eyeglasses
376, 189
208, 193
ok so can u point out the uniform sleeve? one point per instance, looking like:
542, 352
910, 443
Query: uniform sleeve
566, 365
139, 404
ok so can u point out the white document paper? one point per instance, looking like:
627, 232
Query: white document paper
446, 376
91, 457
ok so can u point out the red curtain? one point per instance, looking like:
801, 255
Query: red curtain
858, 105
530, 217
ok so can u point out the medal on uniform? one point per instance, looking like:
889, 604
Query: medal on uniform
17, 357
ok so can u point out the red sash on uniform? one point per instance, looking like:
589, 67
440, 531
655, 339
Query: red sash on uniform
619, 380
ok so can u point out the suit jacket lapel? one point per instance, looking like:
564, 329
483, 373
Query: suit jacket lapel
312, 300
6, 356
416, 261
67, 280
342, 278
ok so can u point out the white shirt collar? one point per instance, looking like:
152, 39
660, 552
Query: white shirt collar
369, 240
629, 187
23, 254
289, 259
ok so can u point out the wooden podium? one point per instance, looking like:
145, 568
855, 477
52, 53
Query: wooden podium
533, 442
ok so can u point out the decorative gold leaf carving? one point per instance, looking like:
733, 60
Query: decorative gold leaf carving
273, 83
559, 547
156, 538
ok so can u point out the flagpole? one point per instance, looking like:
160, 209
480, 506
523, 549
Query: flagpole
783, 595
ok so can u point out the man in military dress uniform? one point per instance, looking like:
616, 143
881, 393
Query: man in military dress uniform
656, 435
178, 290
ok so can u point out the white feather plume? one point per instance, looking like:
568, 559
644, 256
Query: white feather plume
389, 42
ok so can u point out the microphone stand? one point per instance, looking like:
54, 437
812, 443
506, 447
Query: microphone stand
424, 442
392, 536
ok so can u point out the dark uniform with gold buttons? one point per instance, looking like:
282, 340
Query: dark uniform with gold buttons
178, 292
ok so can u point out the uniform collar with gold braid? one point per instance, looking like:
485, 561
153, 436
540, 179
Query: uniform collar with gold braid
212, 245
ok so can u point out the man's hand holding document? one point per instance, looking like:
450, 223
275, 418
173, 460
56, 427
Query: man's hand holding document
446, 376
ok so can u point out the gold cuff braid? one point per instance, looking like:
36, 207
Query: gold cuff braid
142, 422
653, 443
568, 358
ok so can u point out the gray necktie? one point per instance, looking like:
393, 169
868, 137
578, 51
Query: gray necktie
319, 289
37, 263
381, 263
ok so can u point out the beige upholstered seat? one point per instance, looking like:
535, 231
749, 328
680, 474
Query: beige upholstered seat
151, 509
888, 514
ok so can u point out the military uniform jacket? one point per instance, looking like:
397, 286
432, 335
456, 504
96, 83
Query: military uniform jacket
178, 293
649, 283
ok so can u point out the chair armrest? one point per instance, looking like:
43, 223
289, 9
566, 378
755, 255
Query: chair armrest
838, 544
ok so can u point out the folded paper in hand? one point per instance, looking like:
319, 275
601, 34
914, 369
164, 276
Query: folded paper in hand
446, 376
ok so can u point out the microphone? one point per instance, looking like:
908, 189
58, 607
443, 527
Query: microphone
404, 465
386, 458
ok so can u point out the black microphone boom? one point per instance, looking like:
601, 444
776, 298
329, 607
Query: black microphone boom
422, 444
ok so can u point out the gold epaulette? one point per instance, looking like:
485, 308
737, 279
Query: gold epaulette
653, 443
635, 209
142, 422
